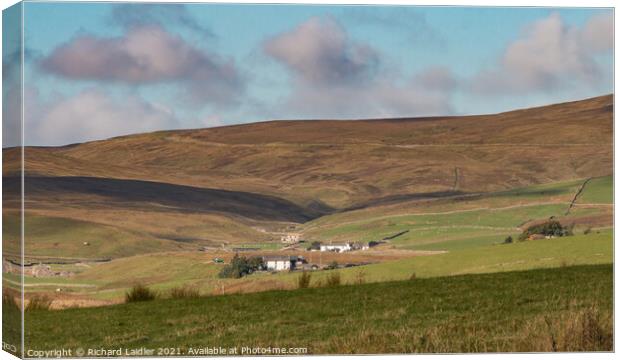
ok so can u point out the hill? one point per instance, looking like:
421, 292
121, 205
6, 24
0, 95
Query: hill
250, 183
346, 163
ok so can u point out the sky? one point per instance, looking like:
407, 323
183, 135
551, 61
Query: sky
98, 70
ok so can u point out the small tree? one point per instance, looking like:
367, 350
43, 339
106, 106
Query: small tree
508, 240
241, 266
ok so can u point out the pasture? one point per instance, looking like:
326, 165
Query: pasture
561, 309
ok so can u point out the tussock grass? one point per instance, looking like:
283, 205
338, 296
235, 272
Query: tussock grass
333, 279
8, 301
38, 302
303, 281
184, 292
139, 292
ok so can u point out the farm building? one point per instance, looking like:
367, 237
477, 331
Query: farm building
290, 238
280, 263
337, 247
345, 247
361, 246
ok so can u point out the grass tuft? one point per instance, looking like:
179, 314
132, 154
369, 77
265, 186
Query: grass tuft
303, 281
8, 302
333, 279
184, 292
38, 302
138, 293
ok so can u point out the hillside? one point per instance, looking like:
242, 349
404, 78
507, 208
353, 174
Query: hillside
344, 163
249, 183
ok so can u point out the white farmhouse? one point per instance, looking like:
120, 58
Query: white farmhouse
280, 263
337, 247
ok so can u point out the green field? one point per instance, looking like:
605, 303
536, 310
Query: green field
468, 221
594, 248
163, 271
598, 191
561, 309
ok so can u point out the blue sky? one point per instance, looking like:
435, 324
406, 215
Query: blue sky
97, 70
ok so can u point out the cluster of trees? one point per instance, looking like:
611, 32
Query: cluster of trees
241, 266
549, 228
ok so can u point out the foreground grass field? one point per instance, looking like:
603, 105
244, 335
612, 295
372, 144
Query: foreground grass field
561, 309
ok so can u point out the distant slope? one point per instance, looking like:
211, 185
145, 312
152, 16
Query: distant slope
348, 163
176, 198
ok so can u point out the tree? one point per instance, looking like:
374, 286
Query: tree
241, 266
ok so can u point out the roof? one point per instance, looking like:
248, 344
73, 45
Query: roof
279, 258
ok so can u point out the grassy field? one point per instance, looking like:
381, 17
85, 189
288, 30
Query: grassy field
562, 309
109, 281
598, 191
594, 248
457, 223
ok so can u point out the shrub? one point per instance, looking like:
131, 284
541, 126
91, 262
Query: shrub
587, 231
333, 279
413, 277
139, 292
184, 292
303, 281
38, 302
508, 240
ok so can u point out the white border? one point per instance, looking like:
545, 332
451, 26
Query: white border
487, 3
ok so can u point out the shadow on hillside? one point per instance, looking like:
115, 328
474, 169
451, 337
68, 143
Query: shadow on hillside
155, 195
392, 199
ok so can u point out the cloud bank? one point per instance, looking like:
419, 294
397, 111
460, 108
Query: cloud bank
91, 115
334, 76
549, 55
148, 55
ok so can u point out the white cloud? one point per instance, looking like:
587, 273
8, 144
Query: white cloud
319, 51
550, 54
91, 115
335, 77
147, 55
